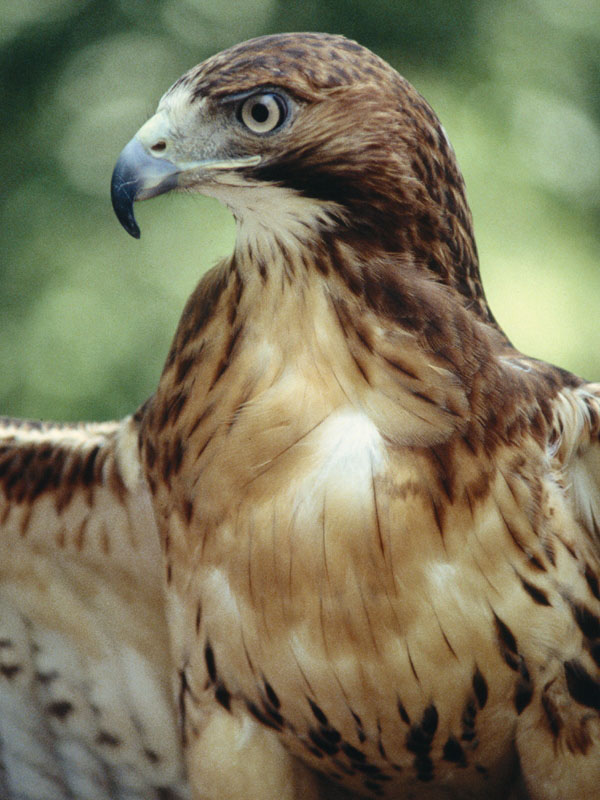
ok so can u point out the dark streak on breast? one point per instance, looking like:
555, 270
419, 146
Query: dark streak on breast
524, 687
480, 688
538, 595
587, 621
583, 688
184, 692
454, 752
223, 697
209, 658
592, 581
468, 718
551, 711
261, 717
317, 712
418, 741
507, 643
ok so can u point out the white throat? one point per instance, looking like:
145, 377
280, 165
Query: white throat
271, 217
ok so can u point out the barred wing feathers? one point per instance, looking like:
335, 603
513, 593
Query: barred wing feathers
85, 694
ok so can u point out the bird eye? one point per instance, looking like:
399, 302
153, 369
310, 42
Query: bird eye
262, 113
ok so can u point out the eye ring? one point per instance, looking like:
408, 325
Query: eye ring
263, 113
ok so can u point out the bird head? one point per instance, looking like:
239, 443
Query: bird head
320, 126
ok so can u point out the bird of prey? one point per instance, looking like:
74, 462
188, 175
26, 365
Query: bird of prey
379, 521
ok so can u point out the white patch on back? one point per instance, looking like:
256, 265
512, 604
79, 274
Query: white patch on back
349, 436
348, 451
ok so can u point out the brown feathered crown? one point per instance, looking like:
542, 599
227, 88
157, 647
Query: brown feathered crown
388, 163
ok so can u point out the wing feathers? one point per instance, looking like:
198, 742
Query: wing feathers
85, 699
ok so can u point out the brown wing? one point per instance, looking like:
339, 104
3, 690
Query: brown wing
85, 695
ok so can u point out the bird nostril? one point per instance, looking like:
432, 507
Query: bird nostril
159, 146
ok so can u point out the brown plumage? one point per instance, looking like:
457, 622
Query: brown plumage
379, 521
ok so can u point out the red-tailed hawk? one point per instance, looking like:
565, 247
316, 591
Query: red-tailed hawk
379, 521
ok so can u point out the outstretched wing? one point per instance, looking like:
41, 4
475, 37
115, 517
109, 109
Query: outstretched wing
86, 705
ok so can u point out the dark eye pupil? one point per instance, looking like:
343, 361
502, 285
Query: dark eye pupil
260, 112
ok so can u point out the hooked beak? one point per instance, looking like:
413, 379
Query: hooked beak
140, 175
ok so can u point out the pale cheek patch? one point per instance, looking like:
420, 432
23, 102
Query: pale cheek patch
270, 216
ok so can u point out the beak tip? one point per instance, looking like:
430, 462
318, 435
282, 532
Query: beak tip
138, 176
129, 223
123, 208
123, 193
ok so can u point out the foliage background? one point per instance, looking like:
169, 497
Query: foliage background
86, 313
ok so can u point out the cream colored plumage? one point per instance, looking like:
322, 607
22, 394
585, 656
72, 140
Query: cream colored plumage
86, 707
379, 521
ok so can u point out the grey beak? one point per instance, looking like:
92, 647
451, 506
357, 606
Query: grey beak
138, 176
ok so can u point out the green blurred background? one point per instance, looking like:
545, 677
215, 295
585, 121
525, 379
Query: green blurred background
87, 313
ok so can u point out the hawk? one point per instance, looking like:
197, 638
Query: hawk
379, 521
